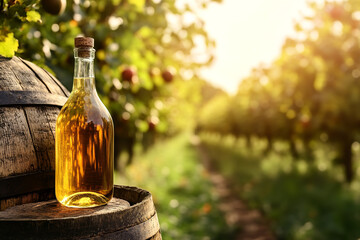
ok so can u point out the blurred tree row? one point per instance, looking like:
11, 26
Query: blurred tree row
310, 92
147, 56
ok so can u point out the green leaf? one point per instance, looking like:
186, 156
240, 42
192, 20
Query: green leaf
145, 32
33, 16
138, 3
9, 46
142, 125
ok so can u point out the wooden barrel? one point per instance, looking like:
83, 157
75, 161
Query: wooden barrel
129, 215
30, 100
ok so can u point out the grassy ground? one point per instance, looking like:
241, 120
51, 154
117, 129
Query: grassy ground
302, 199
183, 195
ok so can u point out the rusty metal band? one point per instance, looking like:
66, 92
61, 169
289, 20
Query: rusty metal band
26, 183
19, 98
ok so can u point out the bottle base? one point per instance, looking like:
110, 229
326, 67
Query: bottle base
85, 200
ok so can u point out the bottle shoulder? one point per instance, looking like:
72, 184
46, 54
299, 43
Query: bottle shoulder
84, 107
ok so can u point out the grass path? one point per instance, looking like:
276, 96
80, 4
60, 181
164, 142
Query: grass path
302, 199
251, 223
185, 199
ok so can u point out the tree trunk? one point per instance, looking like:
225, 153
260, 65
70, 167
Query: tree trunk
130, 149
269, 146
346, 155
248, 141
308, 151
293, 150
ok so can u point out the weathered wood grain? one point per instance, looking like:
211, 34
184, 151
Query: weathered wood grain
17, 153
8, 79
26, 77
51, 115
42, 136
64, 89
157, 236
52, 209
44, 78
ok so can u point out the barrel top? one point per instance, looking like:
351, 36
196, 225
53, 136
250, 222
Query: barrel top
52, 209
129, 215
17, 74
123, 198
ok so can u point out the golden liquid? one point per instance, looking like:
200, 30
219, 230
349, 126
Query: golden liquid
84, 149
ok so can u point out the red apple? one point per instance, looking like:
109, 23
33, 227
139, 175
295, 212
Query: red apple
128, 75
167, 76
54, 7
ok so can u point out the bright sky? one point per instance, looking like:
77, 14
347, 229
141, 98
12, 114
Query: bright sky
247, 32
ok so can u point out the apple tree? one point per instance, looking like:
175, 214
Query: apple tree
145, 63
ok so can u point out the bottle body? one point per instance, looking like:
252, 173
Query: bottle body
84, 152
84, 145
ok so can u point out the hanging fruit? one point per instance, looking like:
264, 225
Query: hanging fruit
128, 75
54, 7
167, 75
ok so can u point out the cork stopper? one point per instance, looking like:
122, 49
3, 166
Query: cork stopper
84, 47
84, 42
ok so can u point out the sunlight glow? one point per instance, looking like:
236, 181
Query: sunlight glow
248, 33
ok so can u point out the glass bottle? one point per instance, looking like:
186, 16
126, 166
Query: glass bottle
84, 141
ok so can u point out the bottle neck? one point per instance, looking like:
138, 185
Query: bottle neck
84, 69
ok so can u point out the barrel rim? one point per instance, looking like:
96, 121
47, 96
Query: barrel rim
131, 220
145, 197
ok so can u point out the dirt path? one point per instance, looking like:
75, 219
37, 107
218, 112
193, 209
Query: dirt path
251, 223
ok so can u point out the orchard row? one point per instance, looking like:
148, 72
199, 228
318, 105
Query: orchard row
311, 92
